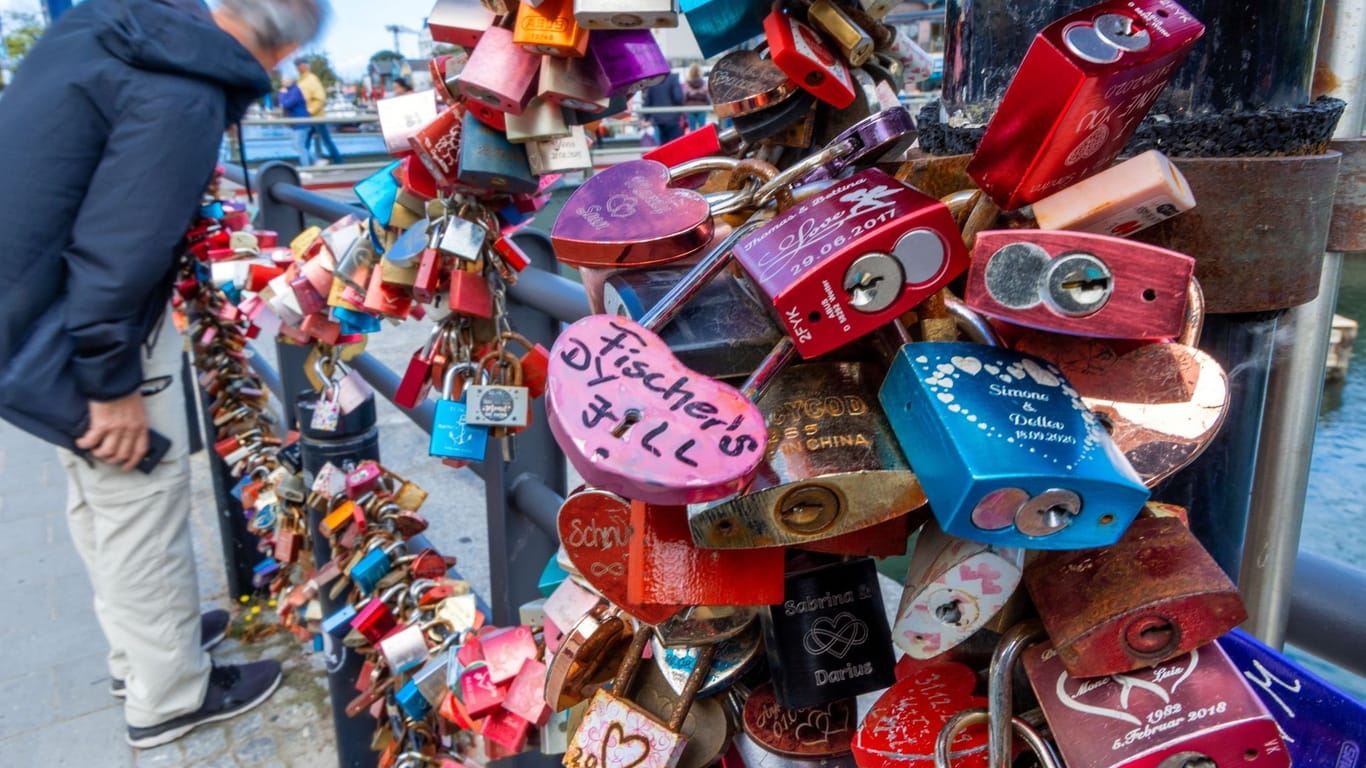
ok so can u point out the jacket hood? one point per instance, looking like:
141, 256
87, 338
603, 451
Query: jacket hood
180, 37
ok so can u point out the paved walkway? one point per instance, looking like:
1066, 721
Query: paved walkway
55, 708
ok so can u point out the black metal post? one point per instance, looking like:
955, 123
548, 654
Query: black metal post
275, 215
240, 555
356, 440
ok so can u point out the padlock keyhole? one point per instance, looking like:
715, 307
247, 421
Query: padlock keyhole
950, 612
631, 418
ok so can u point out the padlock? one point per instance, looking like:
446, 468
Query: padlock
733, 658
706, 141
953, 588
1323, 727
400, 117
820, 733
417, 377
505, 650
452, 437
853, 42
489, 161
500, 73
469, 293
803, 56
625, 61
460, 22
1128, 197
1153, 595
847, 261
406, 648
462, 238
377, 561
901, 727
540, 121
1161, 403
505, 403
885, 133
535, 362
377, 192
743, 82
363, 479
437, 146
1079, 283
721, 24
382, 299
606, 14
375, 619
431, 271
832, 465
629, 216
829, 638
585, 658
478, 691
665, 567
616, 730
1104, 68
505, 733
723, 332
549, 28
571, 84
687, 439
1195, 707
708, 726
1006, 450
526, 694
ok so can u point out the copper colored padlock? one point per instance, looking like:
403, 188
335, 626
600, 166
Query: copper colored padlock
1154, 595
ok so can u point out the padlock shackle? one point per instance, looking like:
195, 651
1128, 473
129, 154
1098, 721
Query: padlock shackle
768, 369
701, 668
1195, 314
668, 307
1001, 687
797, 171
972, 324
448, 381
635, 652
943, 743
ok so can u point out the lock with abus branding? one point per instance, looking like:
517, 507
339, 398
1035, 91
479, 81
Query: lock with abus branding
1103, 68
1006, 449
829, 638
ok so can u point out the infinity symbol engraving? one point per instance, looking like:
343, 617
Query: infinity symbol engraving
613, 569
835, 636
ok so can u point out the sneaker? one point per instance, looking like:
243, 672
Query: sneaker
233, 689
213, 627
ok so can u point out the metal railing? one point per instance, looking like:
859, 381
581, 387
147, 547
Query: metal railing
522, 498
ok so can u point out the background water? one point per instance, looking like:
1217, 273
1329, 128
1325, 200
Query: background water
1335, 509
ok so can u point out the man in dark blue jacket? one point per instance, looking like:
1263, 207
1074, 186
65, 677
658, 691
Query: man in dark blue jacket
108, 137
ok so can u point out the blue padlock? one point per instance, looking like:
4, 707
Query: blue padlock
338, 624
372, 567
352, 321
552, 576
489, 161
722, 24
1006, 451
1323, 726
412, 702
263, 572
452, 438
379, 192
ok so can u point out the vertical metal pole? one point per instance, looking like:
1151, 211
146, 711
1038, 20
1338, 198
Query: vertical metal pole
1295, 387
518, 549
239, 545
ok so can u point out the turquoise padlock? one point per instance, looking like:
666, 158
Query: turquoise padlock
452, 438
1006, 451
372, 567
719, 24
379, 192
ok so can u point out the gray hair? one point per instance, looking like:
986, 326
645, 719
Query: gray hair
280, 23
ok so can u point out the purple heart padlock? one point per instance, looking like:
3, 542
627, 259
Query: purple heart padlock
636, 422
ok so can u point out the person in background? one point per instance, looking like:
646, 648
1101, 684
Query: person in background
402, 86
695, 95
294, 105
668, 125
315, 95
95, 122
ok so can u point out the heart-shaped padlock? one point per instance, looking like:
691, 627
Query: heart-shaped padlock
902, 725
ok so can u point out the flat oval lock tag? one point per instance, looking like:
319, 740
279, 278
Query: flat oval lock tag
743, 82
634, 421
900, 729
629, 216
595, 528
812, 733
1164, 402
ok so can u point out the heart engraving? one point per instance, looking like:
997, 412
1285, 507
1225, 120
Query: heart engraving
617, 748
595, 529
1164, 402
635, 421
629, 216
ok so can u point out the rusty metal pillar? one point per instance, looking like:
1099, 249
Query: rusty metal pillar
1242, 97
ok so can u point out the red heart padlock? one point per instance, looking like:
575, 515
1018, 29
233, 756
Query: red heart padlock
900, 730
665, 566
629, 216
635, 421
595, 528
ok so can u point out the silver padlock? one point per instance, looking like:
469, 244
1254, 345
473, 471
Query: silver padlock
615, 14
463, 239
571, 84
563, 155
540, 121
401, 117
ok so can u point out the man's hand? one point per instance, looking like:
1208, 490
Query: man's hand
118, 431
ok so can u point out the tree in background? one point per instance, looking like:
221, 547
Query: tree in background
22, 31
321, 65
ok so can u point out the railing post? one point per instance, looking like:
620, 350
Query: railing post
275, 215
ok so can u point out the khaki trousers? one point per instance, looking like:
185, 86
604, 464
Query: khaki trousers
133, 532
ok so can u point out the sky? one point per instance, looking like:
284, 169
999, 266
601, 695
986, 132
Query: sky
355, 32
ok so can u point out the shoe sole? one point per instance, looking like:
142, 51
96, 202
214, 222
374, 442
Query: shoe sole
122, 693
166, 737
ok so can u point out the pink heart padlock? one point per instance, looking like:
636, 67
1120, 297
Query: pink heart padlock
635, 421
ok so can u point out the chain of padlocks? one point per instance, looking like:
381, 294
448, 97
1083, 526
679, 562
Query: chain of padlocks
771, 402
